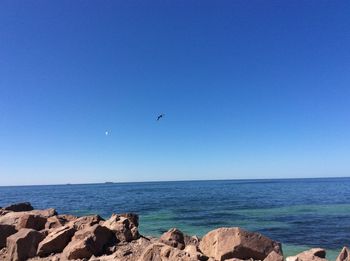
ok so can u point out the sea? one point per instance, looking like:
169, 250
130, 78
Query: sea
300, 213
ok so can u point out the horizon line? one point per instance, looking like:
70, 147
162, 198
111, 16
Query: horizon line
163, 181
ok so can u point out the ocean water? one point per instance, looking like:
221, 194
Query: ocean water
300, 213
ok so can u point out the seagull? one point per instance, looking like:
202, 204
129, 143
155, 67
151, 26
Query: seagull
107, 133
160, 116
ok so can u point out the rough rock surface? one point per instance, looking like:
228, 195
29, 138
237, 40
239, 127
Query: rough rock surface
174, 238
124, 228
90, 241
163, 252
133, 218
226, 243
11, 218
56, 257
56, 241
273, 256
195, 253
344, 255
5, 232
191, 240
86, 221
54, 222
36, 222
314, 254
3, 212
17, 218
13, 221
44, 212
126, 251
3, 253
23, 244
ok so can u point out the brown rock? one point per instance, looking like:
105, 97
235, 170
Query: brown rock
123, 227
22, 219
3, 253
191, 240
56, 257
107, 257
162, 252
174, 238
226, 243
86, 221
3, 212
10, 218
133, 218
36, 222
194, 252
5, 232
59, 221
315, 254
23, 244
126, 251
273, 256
25, 206
44, 212
54, 222
56, 241
344, 255
92, 240
67, 218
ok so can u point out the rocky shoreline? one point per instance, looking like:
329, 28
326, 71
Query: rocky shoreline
28, 234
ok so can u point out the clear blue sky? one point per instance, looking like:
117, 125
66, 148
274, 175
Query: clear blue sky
251, 89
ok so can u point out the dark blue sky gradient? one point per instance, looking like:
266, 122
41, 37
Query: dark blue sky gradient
250, 89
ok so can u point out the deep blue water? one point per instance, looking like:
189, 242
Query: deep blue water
300, 213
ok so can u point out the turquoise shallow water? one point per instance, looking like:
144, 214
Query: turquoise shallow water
300, 213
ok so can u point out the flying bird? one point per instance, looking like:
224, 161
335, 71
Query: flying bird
160, 116
107, 133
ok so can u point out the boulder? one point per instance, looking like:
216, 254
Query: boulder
273, 256
44, 212
133, 218
316, 254
22, 219
126, 251
19, 207
5, 232
226, 243
23, 244
92, 240
174, 238
163, 252
344, 255
36, 222
54, 222
86, 221
11, 218
55, 241
194, 252
191, 240
124, 228
66, 217
58, 221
